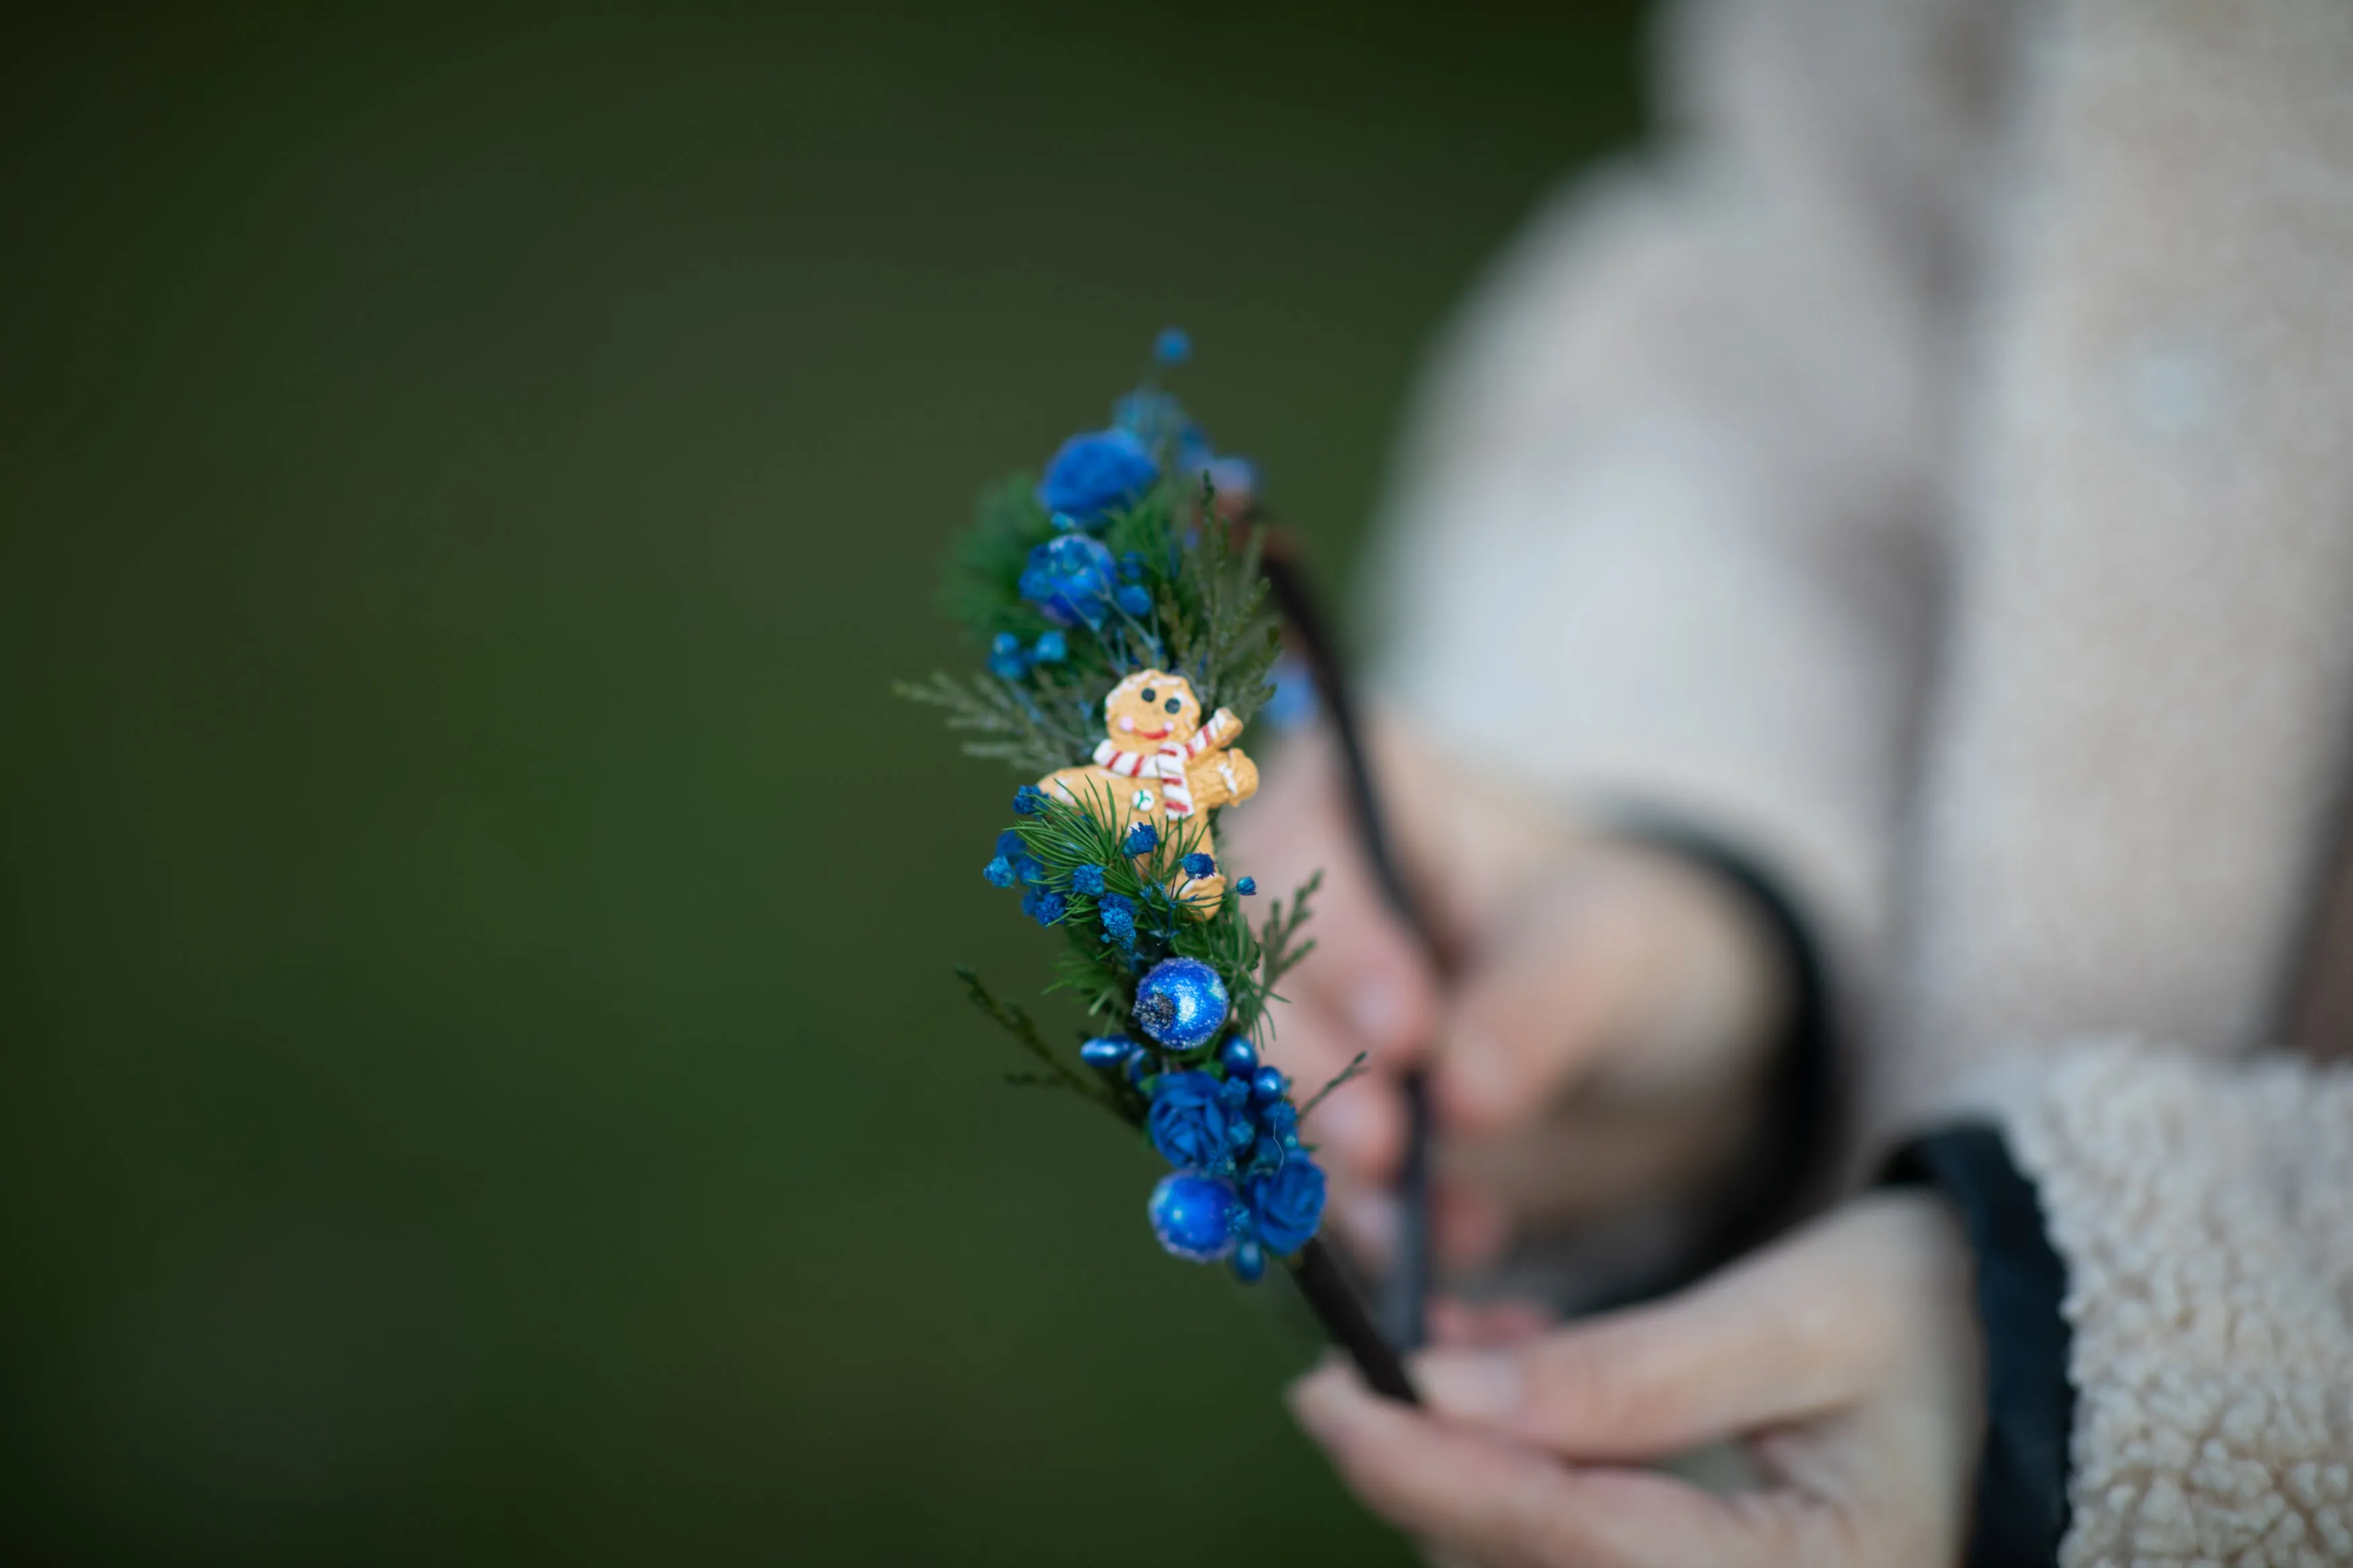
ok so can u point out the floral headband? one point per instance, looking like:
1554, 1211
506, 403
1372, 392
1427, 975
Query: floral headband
1123, 602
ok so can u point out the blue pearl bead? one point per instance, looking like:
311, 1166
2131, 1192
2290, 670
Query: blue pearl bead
1238, 1057
1194, 1216
1268, 1083
1108, 1053
1249, 1262
1181, 1004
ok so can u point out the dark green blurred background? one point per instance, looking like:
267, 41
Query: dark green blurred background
482, 1079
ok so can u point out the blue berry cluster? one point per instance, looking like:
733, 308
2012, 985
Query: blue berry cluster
1243, 1186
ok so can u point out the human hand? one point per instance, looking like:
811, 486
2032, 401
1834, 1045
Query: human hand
1601, 1036
1847, 1359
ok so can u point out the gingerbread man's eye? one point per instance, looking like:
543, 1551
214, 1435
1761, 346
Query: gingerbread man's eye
1172, 705
1150, 695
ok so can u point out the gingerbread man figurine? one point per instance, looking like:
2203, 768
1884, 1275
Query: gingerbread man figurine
1163, 765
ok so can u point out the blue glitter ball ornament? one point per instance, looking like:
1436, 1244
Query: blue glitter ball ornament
1070, 580
1238, 1057
1287, 1206
1249, 1262
1181, 1004
1268, 1084
1095, 473
1107, 1052
1195, 1216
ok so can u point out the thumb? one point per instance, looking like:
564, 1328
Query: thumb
1769, 1341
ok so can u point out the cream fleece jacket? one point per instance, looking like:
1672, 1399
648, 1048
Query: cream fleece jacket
1932, 468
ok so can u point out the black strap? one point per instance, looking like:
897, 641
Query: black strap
1789, 1171
2021, 1496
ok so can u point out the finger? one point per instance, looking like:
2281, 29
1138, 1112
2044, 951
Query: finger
1470, 1225
1504, 1502
1476, 1323
1542, 1006
1361, 1124
1796, 1331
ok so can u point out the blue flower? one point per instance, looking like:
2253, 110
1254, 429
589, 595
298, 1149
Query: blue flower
1247, 887
1117, 912
1005, 660
1096, 473
1191, 1122
1195, 1216
1009, 845
999, 872
1172, 347
1131, 566
1278, 1136
1287, 1206
1198, 864
1141, 839
1029, 801
1133, 601
1088, 879
1049, 648
1043, 905
1070, 580
1030, 869
1182, 1003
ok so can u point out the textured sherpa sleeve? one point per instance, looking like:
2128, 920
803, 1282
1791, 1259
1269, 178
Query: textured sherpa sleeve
2204, 1214
1662, 532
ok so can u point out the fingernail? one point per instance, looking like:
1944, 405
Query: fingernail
1373, 1004
1480, 1386
1312, 1398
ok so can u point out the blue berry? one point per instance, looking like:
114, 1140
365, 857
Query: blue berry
1238, 1057
1247, 887
1268, 1083
1249, 1262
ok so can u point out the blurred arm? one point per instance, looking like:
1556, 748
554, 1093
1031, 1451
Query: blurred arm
1665, 530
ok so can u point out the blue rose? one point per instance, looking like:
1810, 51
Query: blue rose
1287, 1205
1070, 580
1190, 1121
1195, 1216
1095, 474
1278, 1136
